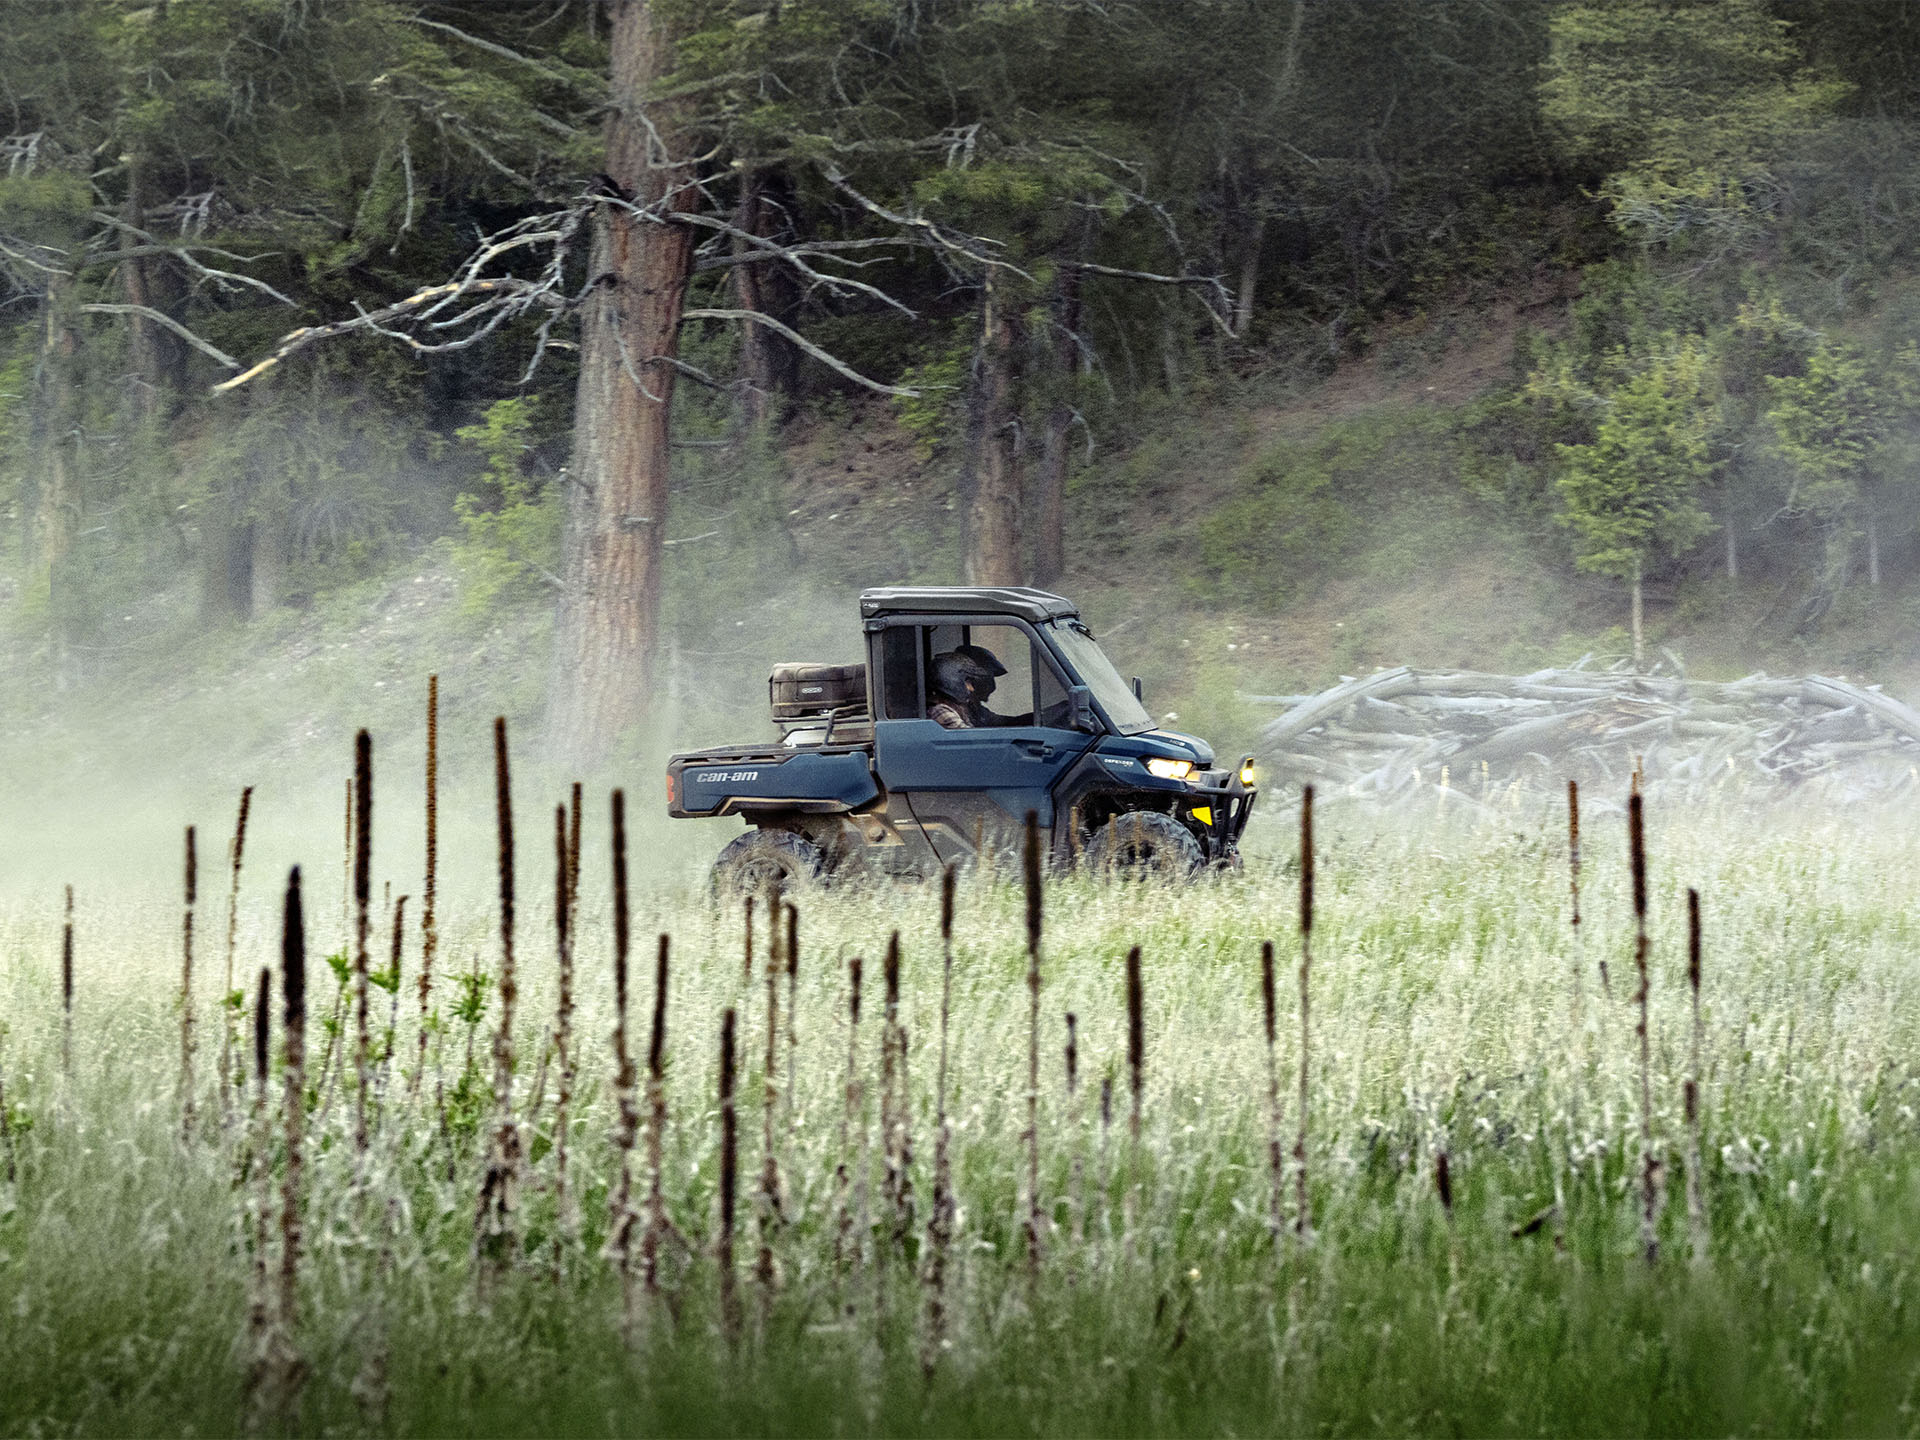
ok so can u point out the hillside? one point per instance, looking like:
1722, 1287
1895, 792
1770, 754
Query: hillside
1437, 580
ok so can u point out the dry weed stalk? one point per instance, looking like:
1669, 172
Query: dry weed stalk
1573, 881
429, 933
1136, 1065
1443, 1186
1105, 1178
346, 870
494, 1236
192, 885
659, 1227
846, 1242
729, 1181
619, 1246
793, 1009
1649, 1164
229, 997
283, 1371
259, 1290
1696, 1196
746, 964
393, 1003
362, 894
563, 888
563, 1028
1303, 1216
897, 1121
767, 1206
1030, 868
1276, 1165
7, 1141
1076, 1170
940, 1220
66, 993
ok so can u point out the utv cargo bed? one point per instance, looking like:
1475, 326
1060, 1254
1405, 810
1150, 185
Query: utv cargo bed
746, 779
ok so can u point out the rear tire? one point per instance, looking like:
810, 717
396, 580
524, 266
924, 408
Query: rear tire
1144, 845
759, 860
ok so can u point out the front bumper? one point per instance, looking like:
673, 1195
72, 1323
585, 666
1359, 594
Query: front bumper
1219, 803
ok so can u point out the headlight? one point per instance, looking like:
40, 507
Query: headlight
1246, 774
1169, 769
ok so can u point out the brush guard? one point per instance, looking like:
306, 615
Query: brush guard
1218, 809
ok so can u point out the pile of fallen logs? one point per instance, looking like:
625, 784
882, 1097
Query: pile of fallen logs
1395, 733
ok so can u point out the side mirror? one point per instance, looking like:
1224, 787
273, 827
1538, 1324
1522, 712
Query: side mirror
1139, 692
1080, 709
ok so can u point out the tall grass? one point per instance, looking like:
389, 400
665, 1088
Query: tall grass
1439, 1026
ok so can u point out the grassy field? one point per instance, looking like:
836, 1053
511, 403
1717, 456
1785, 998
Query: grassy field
1451, 1014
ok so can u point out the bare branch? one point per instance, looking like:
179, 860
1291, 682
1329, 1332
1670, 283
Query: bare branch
1210, 283
25, 257
152, 245
800, 342
967, 247
515, 296
166, 322
578, 77
792, 254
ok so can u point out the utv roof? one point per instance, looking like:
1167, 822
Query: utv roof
1029, 605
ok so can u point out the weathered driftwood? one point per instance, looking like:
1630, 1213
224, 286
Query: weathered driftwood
1468, 733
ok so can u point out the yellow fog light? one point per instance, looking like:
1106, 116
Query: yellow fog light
1204, 814
1169, 769
1246, 774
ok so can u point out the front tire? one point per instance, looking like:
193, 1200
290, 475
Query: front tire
1144, 845
761, 860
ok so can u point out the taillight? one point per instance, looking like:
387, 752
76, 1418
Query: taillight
673, 791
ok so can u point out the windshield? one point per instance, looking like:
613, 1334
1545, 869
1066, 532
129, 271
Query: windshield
1096, 672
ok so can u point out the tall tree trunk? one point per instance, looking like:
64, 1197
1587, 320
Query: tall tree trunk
268, 562
1873, 552
1639, 616
226, 560
1256, 229
993, 509
1050, 499
609, 620
49, 531
1733, 553
157, 356
768, 361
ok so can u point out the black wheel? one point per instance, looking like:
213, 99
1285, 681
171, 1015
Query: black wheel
762, 859
1144, 845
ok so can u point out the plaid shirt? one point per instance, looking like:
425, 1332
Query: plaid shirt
950, 715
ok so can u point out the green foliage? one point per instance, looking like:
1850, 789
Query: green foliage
1683, 106
1636, 486
1832, 425
936, 415
1301, 507
510, 536
471, 1007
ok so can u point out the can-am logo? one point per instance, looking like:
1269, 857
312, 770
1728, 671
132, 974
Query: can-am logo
725, 777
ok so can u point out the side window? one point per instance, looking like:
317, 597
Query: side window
1049, 696
1013, 692
900, 672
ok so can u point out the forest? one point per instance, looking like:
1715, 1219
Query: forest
545, 298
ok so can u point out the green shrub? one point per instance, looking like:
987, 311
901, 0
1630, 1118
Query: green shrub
509, 545
1303, 507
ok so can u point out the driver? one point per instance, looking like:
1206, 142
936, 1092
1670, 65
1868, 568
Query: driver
963, 682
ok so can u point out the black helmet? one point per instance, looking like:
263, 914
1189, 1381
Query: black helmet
980, 655
957, 672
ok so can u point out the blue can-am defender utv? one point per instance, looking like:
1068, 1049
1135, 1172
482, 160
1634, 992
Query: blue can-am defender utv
865, 777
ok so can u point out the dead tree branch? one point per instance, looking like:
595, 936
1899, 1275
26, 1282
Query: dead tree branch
165, 322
